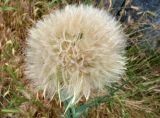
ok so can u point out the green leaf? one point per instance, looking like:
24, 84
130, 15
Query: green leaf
88, 2
10, 110
93, 103
11, 72
7, 8
53, 2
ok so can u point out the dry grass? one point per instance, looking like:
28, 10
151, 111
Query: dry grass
139, 97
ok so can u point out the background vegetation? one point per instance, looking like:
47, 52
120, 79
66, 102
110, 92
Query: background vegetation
136, 96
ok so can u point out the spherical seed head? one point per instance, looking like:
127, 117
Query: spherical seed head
75, 52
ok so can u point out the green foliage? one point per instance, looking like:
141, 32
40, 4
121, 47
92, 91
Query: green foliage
7, 8
10, 111
54, 2
88, 2
137, 93
9, 49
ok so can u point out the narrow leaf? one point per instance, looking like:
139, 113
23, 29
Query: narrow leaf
7, 8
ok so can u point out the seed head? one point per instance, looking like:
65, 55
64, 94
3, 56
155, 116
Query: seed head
75, 52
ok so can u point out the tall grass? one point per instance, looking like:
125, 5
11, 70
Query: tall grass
137, 96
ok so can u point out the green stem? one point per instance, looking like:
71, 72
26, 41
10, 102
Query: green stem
70, 113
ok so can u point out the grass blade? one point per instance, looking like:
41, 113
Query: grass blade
7, 8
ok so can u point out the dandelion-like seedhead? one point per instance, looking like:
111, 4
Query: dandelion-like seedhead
75, 52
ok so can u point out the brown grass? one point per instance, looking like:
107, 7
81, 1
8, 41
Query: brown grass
139, 98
